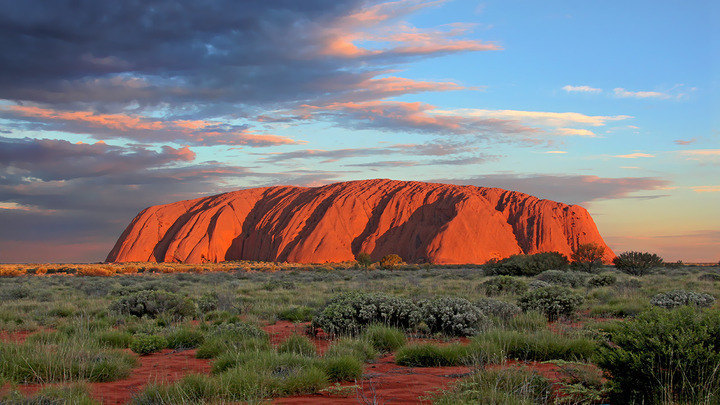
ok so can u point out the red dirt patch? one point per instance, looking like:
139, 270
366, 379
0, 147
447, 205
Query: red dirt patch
17, 336
281, 330
389, 384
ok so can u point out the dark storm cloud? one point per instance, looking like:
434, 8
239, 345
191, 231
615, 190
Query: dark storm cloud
105, 54
571, 189
54, 159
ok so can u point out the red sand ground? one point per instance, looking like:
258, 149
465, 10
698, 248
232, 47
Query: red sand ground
383, 380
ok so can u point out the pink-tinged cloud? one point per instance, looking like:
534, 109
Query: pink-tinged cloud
145, 129
705, 156
556, 152
635, 155
706, 189
370, 32
575, 132
531, 127
622, 93
684, 142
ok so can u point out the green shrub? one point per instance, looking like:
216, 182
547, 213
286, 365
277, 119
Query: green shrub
363, 259
677, 298
143, 344
588, 257
184, 338
208, 302
390, 261
430, 355
499, 311
529, 265
602, 280
153, 304
637, 263
342, 368
664, 357
384, 338
361, 349
452, 316
515, 385
349, 313
298, 344
709, 277
504, 285
296, 314
553, 301
115, 338
565, 278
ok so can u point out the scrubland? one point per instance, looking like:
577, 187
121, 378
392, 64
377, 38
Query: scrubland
527, 330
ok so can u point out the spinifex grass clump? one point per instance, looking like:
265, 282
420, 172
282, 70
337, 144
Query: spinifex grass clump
67, 360
431, 355
235, 336
384, 338
540, 345
514, 385
664, 357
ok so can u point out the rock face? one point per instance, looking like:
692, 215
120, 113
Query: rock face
422, 222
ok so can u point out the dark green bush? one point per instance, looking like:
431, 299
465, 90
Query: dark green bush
504, 285
566, 278
637, 263
363, 259
602, 280
529, 265
154, 303
143, 344
677, 298
588, 257
553, 301
664, 357
349, 313
452, 316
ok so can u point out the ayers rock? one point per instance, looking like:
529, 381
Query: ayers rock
422, 222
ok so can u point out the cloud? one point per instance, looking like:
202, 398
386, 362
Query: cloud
622, 93
571, 189
556, 152
575, 132
183, 55
635, 155
504, 125
705, 156
706, 189
581, 89
140, 128
51, 159
438, 148
685, 141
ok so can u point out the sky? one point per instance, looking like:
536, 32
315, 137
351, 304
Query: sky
108, 107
